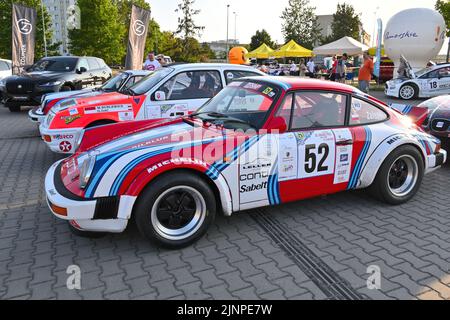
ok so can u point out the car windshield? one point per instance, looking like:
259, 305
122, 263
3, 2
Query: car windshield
422, 72
150, 81
241, 105
115, 83
55, 65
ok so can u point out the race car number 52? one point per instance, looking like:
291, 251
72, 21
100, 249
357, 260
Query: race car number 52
316, 162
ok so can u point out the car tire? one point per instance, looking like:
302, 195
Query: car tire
168, 221
408, 91
400, 176
65, 88
13, 108
86, 234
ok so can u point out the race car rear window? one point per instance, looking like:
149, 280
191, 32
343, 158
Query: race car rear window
363, 113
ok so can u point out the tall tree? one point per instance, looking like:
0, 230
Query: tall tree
300, 23
101, 33
186, 24
261, 37
6, 29
346, 23
444, 8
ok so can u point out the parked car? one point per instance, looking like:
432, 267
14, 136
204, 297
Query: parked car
52, 74
427, 83
5, 68
432, 115
119, 83
261, 141
5, 71
167, 93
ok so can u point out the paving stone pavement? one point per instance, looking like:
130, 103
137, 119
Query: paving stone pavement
237, 259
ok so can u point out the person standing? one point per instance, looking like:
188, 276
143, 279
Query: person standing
303, 69
293, 68
151, 64
311, 68
365, 73
341, 69
333, 69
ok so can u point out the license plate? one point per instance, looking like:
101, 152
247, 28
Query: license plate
20, 98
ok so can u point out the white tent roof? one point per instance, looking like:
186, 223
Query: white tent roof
345, 45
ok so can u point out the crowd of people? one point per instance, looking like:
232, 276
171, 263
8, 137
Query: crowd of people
339, 70
336, 71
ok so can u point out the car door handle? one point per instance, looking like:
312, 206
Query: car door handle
345, 142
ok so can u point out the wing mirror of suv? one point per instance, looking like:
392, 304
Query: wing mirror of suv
277, 125
81, 70
160, 96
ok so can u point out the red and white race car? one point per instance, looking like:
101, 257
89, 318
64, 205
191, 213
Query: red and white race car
168, 93
261, 141
119, 83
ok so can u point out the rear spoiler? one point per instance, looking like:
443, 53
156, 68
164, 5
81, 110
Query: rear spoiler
417, 114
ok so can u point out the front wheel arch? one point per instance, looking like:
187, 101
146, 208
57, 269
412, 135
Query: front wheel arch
412, 84
99, 123
188, 171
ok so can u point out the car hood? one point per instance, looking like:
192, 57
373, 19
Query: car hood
37, 76
149, 134
100, 98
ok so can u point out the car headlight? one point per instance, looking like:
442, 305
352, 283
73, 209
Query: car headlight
50, 84
65, 104
86, 169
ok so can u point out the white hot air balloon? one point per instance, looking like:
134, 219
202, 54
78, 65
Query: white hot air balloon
417, 34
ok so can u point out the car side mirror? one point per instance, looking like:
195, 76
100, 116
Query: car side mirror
160, 96
278, 125
81, 70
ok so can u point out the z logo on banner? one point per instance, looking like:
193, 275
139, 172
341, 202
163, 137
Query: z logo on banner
139, 28
24, 26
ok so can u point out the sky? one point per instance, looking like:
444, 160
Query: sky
258, 14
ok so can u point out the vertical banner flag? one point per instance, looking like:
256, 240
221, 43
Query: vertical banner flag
137, 36
379, 44
23, 36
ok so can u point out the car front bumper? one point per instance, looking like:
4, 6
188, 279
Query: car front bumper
29, 98
391, 91
94, 215
36, 117
64, 141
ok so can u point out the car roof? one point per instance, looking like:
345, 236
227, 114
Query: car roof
138, 72
204, 66
5, 60
292, 83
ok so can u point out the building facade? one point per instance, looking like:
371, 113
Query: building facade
62, 13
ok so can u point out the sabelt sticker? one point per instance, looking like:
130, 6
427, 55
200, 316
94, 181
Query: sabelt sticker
230, 75
126, 116
73, 112
106, 109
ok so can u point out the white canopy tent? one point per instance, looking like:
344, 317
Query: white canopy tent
345, 45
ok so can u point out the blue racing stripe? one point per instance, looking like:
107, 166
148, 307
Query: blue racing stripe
356, 171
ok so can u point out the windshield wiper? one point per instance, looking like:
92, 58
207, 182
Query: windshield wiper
210, 114
228, 119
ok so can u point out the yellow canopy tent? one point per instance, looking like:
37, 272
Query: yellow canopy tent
292, 50
373, 51
263, 52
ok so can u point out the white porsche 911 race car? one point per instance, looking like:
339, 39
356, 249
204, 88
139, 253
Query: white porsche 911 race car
426, 83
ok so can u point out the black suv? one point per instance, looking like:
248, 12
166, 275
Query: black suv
52, 74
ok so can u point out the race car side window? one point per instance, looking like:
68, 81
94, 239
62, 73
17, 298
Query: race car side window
314, 110
364, 113
233, 75
193, 85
